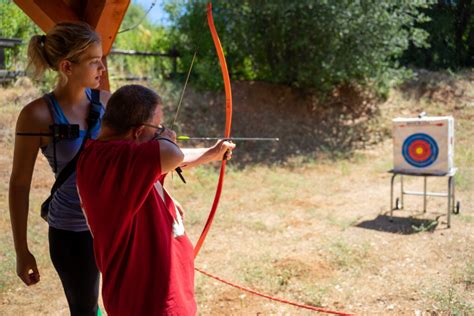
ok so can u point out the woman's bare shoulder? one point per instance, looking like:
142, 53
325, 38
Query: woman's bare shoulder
35, 115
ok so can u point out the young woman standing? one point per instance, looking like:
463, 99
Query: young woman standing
74, 51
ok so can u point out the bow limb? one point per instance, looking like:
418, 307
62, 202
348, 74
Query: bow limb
228, 122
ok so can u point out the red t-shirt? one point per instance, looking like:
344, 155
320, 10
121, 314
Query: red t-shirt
140, 246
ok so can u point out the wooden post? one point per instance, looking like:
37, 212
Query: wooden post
104, 80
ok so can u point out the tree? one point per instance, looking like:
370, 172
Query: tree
451, 37
138, 33
315, 45
15, 24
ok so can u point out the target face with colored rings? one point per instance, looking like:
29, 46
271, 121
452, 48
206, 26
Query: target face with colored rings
420, 150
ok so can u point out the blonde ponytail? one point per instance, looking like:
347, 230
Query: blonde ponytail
37, 61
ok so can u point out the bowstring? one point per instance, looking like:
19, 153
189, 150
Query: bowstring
188, 75
180, 102
184, 89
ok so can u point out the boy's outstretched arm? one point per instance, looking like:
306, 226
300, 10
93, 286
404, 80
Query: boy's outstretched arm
198, 156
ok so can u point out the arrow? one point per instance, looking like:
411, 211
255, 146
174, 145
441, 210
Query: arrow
273, 139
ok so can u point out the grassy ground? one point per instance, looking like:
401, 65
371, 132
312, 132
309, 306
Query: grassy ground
313, 229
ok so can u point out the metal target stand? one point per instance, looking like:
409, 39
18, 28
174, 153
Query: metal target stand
453, 206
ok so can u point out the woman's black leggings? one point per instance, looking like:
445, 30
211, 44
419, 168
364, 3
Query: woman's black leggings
72, 255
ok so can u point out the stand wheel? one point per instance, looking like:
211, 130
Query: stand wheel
398, 204
457, 208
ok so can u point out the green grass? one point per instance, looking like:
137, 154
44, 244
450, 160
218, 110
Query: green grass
342, 223
449, 301
425, 228
289, 276
466, 218
455, 298
37, 238
349, 257
467, 276
315, 295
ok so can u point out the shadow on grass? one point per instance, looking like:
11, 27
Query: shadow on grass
399, 225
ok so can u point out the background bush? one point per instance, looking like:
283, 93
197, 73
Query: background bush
451, 37
315, 45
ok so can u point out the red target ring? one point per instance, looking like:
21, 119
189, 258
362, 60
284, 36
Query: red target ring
419, 150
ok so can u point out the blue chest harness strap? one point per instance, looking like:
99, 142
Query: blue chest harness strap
92, 119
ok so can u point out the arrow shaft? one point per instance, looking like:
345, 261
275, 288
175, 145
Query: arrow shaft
274, 139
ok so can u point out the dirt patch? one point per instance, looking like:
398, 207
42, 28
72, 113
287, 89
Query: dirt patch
454, 91
302, 268
305, 124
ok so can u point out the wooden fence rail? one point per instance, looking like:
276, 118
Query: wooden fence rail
10, 43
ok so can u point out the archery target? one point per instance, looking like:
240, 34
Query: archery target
420, 150
423, 145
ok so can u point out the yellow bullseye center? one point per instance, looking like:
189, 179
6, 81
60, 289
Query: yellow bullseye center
419, 151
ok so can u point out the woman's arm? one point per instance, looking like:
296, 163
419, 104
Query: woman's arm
24, 158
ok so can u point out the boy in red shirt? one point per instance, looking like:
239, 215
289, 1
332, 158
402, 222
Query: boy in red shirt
140, 244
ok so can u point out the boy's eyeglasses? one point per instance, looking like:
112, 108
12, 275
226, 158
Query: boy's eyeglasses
159, 128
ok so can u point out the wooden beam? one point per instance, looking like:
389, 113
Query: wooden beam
78, 6
106, 17
57, 10
93, 11
36, 14
104, 81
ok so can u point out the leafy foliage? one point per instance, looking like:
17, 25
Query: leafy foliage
141, 35
315, 45
451, 37
15, 24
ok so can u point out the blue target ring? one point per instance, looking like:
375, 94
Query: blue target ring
420, 150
